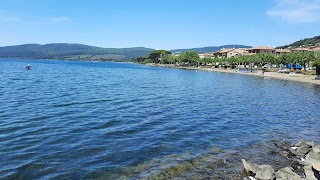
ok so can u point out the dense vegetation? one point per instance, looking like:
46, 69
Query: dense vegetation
307, 42
209, 49
191, 58
71, 51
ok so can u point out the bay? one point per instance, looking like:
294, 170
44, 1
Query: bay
71, 119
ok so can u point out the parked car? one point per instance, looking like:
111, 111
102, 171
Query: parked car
294, 66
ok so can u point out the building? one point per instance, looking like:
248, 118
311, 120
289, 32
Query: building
236, 53
316, 49
228, 53
301, 50
262, 50
206, 55
280, 52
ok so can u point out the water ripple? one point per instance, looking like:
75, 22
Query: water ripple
78, 120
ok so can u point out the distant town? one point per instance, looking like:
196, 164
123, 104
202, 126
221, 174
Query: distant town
236, 52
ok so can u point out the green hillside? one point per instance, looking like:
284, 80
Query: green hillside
307, 42
209, 49
71, 51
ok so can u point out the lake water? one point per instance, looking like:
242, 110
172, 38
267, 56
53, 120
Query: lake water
77, 120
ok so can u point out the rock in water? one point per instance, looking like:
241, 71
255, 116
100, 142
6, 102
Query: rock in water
265, 172
249, 167
287, 173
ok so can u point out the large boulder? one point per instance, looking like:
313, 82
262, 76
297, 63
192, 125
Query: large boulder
265, 172
294, 152
309, 173
303, 151
316, 170
287, 173
307, 144
312, 157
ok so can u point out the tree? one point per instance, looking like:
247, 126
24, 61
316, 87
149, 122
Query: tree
156, 55
166, 59
190, 56
317, 63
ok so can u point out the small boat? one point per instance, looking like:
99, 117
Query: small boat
28, 67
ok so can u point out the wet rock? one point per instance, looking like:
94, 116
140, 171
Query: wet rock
265, 172
285, 154
217, 164
249, 167
287, 173
214, 150
298, 168
293, 152
283, 146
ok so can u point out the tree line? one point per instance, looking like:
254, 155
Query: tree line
191, 58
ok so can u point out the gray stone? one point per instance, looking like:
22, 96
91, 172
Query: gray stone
249, 167
309, 173
287, 173
265, 172
316, 149
295, 153
307, 144
312, 157
303, 150
316, 170
284, 154
284, 146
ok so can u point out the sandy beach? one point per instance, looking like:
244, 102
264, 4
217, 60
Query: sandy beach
273, 75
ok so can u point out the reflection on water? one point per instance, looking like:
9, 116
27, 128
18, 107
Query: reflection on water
66, 119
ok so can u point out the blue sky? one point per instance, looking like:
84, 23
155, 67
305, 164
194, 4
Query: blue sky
160, 24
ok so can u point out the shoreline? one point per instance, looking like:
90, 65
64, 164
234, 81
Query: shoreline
258, 73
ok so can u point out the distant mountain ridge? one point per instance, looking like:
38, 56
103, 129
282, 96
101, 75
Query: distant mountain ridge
307, 43
71, 51
209, 48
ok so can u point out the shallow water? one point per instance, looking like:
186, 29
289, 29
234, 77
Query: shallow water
67, 119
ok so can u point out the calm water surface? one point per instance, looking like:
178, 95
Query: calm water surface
76, 120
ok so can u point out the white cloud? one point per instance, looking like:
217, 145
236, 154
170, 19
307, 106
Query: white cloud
33, 20
10, 19
296, 11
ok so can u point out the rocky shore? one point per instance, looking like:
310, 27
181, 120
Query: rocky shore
305, 163
281, 161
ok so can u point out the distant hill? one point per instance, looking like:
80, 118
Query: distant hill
209, 49
71, 51
307, 42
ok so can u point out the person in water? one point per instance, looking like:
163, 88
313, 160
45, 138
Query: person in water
28, 67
